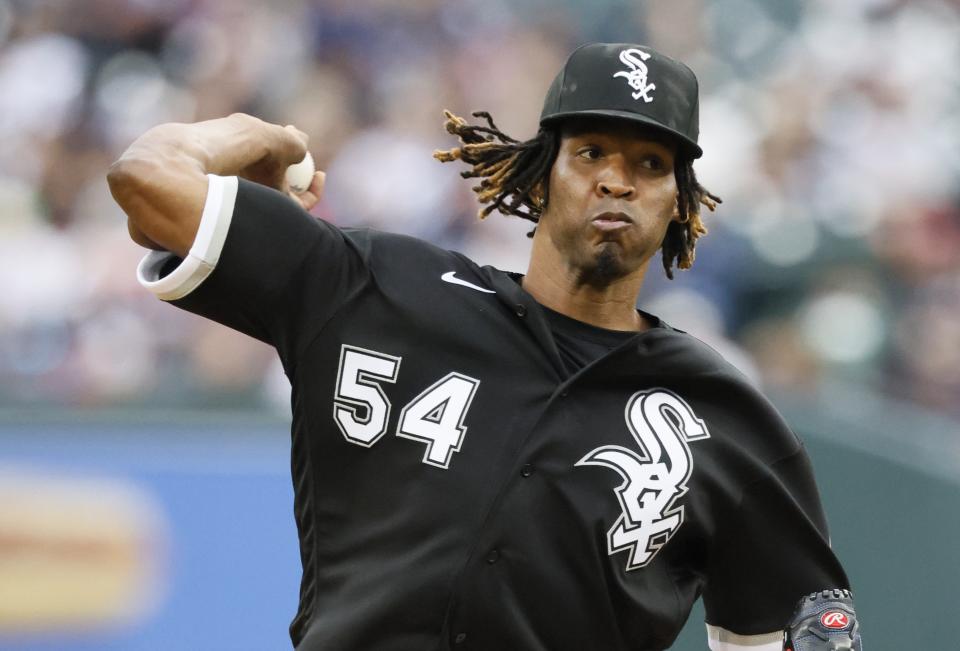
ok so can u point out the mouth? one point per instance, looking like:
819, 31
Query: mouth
612, 221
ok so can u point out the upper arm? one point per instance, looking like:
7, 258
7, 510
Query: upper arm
261, 265
769, 551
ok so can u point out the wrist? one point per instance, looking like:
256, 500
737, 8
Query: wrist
246, 146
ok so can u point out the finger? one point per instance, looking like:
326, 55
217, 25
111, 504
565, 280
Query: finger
298, 133
272, 171
311, 196
292, 145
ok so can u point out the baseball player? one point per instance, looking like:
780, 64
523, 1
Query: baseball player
500, 461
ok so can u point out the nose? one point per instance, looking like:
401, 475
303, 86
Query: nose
618, 188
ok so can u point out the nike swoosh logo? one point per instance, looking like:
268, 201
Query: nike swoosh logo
449, 277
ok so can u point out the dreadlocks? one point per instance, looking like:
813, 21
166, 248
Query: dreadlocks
514, 179
510, 171
681, 239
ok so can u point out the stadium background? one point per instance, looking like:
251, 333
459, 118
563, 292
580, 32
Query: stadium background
145, 501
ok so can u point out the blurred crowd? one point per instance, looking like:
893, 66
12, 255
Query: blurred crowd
831, 131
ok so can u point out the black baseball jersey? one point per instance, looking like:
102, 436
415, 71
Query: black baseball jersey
461, 483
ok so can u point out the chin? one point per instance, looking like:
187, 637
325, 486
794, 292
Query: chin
608, 265
609, 262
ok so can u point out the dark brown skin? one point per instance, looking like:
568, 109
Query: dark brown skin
587, 269
160, 180
578, 267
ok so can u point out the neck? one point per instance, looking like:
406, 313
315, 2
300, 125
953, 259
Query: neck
569, 291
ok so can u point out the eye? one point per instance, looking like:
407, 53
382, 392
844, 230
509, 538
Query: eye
653, 162
590, 152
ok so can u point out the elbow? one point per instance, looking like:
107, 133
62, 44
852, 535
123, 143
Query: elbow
162, 197
162, 192
127, 178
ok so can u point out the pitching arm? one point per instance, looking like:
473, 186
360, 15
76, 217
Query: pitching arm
160, 181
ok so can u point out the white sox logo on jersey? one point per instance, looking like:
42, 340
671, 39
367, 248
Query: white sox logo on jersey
637, 75
653, 478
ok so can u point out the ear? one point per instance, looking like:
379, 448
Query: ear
676, 208
537, 195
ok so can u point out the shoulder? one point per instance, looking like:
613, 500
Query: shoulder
680, 352
391, 244
403, 264
393, 251
723, 394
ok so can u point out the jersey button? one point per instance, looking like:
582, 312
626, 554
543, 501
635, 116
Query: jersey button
493, 556
520, 309
527, 470
460, 639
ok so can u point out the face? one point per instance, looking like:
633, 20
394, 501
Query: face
612, 194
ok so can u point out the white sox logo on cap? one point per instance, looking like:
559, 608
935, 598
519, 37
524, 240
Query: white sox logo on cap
834, 619
616, 81
637, 75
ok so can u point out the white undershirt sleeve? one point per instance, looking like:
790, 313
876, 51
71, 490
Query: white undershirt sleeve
720, 639
206, 249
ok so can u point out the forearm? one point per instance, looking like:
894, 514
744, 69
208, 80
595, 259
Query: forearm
160, 181
225, 146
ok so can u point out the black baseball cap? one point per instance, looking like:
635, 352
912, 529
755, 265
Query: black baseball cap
628, 82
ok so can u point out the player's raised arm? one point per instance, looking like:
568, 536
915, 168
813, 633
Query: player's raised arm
160, 181
212, 200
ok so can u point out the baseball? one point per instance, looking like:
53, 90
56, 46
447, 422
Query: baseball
299, 175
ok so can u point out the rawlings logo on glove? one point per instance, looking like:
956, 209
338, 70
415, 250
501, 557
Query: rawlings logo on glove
824, 621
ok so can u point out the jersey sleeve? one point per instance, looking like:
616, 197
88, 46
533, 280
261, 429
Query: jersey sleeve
259, 264
768, 553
